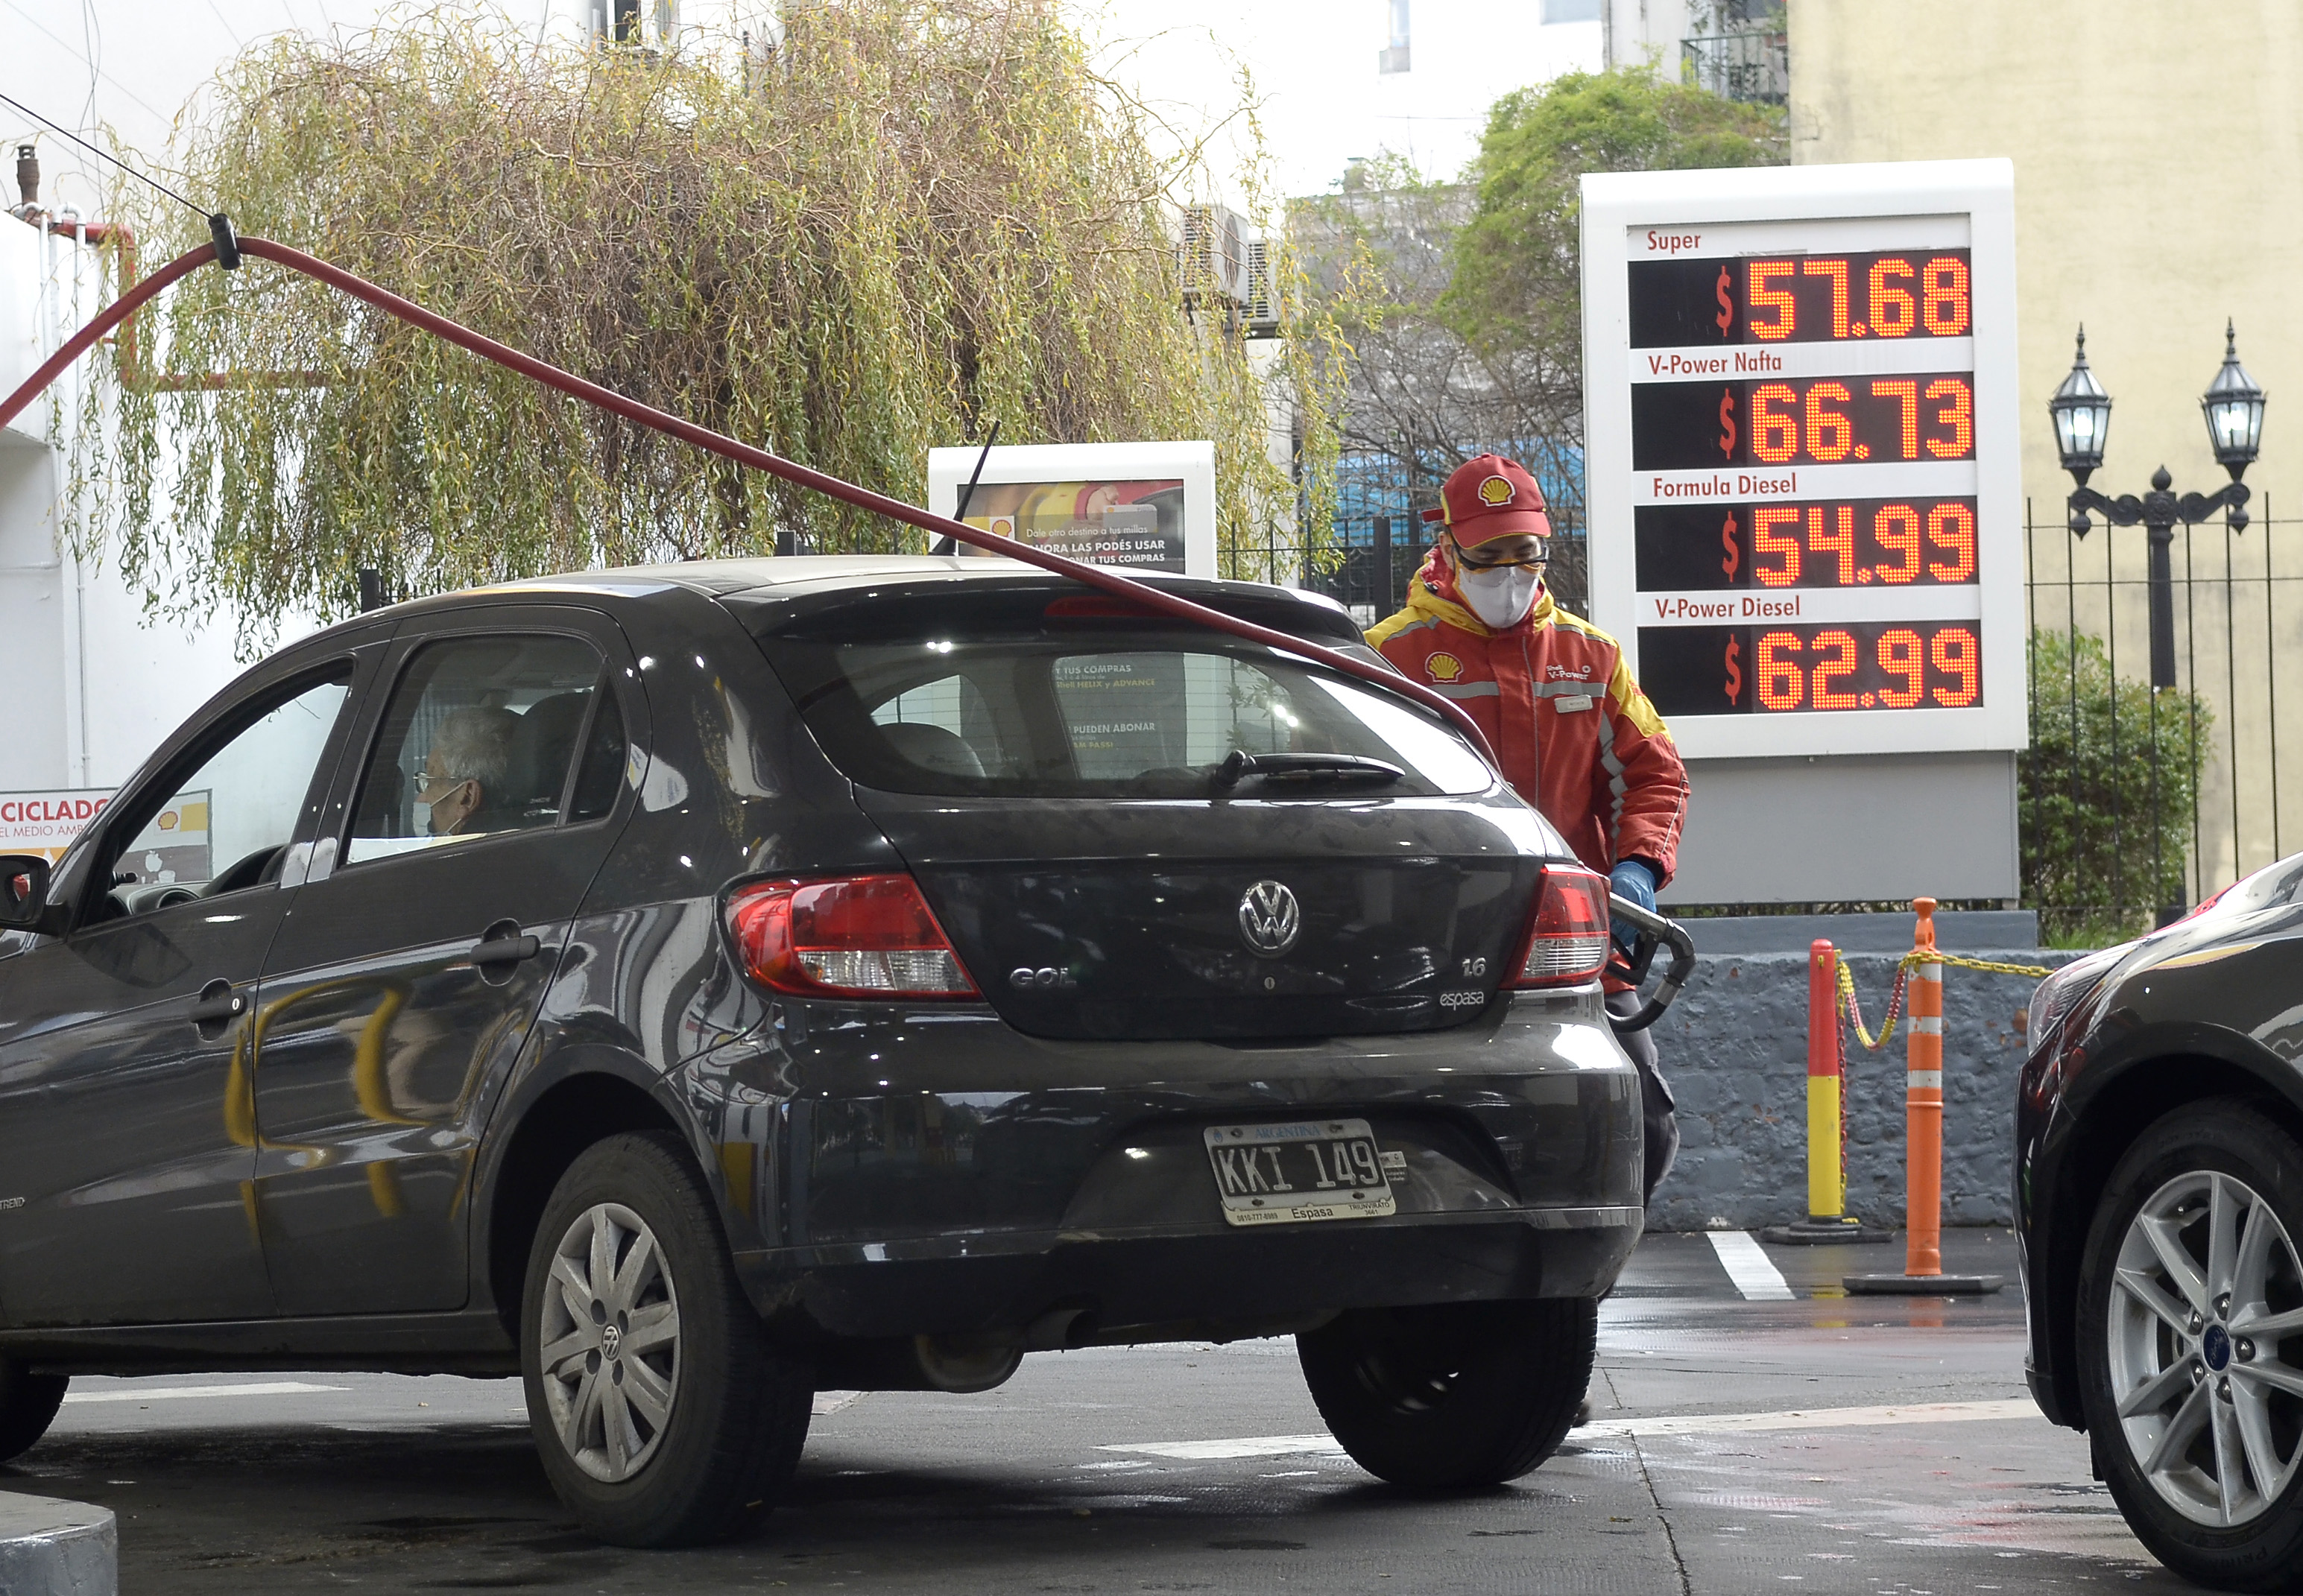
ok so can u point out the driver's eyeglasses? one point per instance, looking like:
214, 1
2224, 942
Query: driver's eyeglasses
424, 780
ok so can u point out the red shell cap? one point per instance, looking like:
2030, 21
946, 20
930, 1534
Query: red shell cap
1489, 497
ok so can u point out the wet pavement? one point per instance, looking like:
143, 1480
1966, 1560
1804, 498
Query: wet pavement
1789, 1439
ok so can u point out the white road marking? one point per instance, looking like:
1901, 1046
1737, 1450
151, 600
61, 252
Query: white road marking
1820, 1418
1747, 1264
1700, 1423
174, 1393
1252, 1446
830, 1402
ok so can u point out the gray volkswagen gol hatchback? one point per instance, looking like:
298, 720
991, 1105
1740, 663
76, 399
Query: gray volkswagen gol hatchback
692, 987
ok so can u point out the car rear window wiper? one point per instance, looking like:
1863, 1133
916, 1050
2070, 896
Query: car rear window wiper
1303, 769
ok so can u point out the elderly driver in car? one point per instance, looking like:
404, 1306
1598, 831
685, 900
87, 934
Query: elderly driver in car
466, 772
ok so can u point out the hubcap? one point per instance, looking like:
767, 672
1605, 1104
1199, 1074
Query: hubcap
611, 1340
2206, 1292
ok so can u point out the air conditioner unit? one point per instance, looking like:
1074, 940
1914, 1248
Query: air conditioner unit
1218, 259
1260, 307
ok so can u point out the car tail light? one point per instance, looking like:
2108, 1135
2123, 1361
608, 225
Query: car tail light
860, 936
1567, 935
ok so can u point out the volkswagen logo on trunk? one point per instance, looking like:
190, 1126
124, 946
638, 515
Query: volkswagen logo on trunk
1268, 919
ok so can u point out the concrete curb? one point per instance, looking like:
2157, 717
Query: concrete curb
51, 1548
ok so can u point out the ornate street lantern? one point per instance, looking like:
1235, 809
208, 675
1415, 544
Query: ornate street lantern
2233, 406
2082, 413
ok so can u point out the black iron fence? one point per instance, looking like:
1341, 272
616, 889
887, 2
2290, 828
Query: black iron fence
2137, 801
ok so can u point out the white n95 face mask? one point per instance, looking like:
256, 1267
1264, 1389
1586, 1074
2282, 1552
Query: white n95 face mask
1501, 597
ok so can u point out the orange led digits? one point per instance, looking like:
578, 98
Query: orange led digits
1902, 654
1765, 541
1845, 544
1777, 574
1906, 392
1944, 302
1830, 435
1953, 651
1839, 540
1958, 414
1774, 435
1836, 269
1953, 526
1821, 421
1865, 664
1893, 312
1806, 299
1782, 686
1842, 664
1780, 300
1896, 528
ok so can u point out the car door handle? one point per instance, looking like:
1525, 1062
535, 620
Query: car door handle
217, 1003
504, 950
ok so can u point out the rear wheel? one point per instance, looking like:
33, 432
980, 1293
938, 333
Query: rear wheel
2192, 1345
663, 1415
1455, 1395
28, 1407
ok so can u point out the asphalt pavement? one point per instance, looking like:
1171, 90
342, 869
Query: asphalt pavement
1755, 1430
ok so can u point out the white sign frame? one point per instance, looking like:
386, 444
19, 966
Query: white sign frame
1193, 462
1891, 205
30, 823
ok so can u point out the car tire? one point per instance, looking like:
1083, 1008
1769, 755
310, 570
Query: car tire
2190, 1318
28, 1407
1453, 1396
665, 1415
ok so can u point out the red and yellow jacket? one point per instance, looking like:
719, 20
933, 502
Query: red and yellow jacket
1576, 736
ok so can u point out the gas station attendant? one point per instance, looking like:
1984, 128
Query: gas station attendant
1575, 734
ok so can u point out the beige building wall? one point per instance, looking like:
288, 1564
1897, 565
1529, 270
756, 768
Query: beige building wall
2158, 151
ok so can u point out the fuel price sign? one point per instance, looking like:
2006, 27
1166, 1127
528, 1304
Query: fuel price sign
1800, 393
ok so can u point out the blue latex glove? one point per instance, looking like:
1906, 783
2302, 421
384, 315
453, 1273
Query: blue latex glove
1634, 880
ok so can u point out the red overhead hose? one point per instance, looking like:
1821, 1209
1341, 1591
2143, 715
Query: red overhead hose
1147, 594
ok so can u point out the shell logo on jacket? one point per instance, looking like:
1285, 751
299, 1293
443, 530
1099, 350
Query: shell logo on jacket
1597, 761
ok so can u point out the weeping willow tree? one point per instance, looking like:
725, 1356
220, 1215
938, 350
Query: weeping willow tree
907, 219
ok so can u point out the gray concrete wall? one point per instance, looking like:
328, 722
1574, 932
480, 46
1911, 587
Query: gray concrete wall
1734, 1049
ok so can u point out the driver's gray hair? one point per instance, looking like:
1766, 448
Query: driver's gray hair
475, 744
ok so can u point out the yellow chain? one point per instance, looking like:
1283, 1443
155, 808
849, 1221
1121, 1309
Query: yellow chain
1902, 967
1987, 966
1855, 1013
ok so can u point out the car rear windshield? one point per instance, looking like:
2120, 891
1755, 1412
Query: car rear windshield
1047, 699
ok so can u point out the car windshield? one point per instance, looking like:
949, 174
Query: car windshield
1020, 703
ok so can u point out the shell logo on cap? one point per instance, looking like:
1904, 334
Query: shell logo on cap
1443, 667
1496, 491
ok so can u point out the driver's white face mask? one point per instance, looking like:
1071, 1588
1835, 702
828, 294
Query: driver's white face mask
1500, 598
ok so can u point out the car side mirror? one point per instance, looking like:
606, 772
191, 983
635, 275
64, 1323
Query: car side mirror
23, 892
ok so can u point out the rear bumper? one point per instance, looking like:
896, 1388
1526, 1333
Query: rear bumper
1203, 1284
891, 1173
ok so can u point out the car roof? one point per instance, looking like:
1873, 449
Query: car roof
807, 576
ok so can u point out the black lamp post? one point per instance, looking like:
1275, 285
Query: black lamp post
2233, 407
